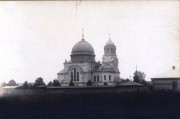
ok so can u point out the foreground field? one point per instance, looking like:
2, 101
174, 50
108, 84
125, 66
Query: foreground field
153, 105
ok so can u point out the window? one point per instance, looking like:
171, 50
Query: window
98, 78
77, 76
111, 50
94, 78
74, 75
109, 77
104, 77
105, 49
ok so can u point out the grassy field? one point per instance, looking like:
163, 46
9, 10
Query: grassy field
153, 105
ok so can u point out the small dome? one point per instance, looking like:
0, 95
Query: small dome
109, 42
82, 47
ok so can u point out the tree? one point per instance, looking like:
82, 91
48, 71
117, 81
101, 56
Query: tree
25, 85
71, 83
89, 83
144, 82
50, 83
56, 83
3, 84
118, 80
12, 83
139, 77
30, 85
127, 80
136, 79
39, 82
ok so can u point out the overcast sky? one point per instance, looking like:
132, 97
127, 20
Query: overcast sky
36, 37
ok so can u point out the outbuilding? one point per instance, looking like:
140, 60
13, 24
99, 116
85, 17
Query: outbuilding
167, 80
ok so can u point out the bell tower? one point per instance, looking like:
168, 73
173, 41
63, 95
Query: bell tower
110, 57
110, 48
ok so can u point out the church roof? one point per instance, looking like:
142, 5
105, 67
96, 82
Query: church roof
107, 68
82, 47
109, 42
62, 71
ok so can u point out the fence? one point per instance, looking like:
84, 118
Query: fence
76, 90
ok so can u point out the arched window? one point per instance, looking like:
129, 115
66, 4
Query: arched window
104, 77
109, 77
111, 50
94, 78
107, 50
98, 78
74, 75
77, 76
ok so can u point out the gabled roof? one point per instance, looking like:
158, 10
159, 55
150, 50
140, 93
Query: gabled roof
173, 73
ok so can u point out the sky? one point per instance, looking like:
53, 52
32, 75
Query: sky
37, 36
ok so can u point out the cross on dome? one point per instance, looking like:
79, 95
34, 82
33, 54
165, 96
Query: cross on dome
109, 42
83, 35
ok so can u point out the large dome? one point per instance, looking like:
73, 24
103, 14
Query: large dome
82, 47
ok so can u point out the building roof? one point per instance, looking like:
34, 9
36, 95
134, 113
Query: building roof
11, 86
109, 42
82, 47
130, 83
173, 73
107, 68
63, 71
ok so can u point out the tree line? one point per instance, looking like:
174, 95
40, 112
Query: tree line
139, 77
38, 82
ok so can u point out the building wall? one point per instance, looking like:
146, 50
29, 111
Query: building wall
81, 67
77, 58
1, 90
102, 78
165, 83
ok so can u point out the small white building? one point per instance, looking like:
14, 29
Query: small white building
167, 80
10, 89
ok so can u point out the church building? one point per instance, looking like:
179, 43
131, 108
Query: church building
82, 67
